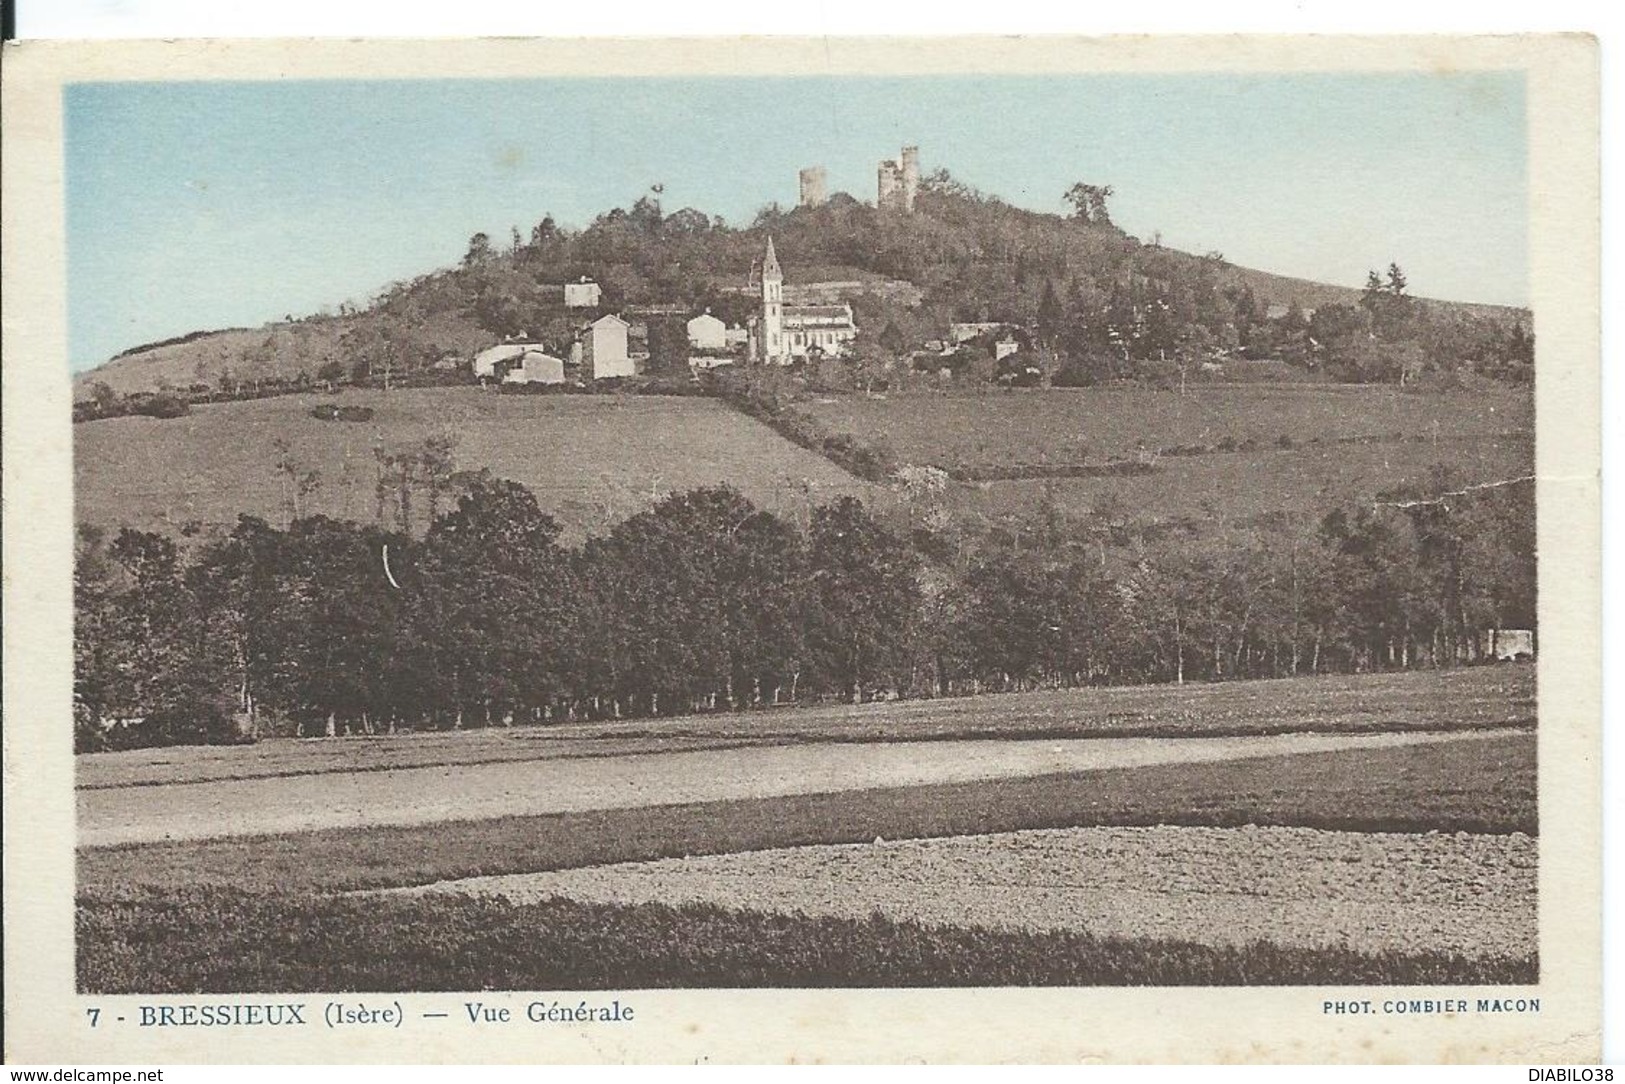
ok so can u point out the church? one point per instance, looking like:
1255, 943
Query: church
783, 334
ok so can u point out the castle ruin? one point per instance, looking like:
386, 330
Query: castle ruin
898, 182
814, 190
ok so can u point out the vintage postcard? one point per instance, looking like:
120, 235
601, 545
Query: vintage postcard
777, 550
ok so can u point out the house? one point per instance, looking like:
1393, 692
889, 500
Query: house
585, 294
494, 362
604, 349
535, 367
1004, 348
706, 333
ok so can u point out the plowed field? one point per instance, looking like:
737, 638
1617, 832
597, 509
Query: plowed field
1469, 894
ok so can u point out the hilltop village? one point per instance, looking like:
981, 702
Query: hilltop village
773, 470
794, 324
610, 347
932, 284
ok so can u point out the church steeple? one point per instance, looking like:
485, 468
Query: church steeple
770, 263
772, 340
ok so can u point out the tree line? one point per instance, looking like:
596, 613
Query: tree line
707, 603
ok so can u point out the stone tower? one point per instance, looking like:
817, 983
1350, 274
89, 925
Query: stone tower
898, 181
910, 163
889, 187
814, 192
772, 334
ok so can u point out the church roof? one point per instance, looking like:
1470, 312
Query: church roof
770, 262
818, 311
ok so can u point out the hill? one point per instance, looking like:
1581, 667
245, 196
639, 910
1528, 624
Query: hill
963, 256
591, 460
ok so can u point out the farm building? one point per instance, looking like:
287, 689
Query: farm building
585, 294
493, 363
706, 332
535, 367
604, 349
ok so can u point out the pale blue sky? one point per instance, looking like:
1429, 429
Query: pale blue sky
200, 205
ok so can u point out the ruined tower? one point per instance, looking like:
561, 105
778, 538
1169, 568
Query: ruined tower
898, 181
814, 192
911, 177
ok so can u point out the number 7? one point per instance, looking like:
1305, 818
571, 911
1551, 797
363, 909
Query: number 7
94, 1014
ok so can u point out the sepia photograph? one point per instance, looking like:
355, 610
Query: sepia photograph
617, 530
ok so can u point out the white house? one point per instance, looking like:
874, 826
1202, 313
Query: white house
603, 349
706, 332
495, 361
585, 294
536, 367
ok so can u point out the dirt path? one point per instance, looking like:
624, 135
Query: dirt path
476, 792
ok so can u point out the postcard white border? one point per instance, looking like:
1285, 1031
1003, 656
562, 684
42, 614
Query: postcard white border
44, 1019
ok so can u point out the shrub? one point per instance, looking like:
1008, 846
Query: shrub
195, 718
163, 405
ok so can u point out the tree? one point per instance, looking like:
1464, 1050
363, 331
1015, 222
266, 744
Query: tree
493, 606
151, 654
298, 483
866, 599
1049, 317
1385, 299
668, 345
479, 251
1089, 202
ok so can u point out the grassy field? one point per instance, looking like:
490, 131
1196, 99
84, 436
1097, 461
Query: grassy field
591, 460
1234, 486
958, 430
594, 460
219, 940
1485, 697
1486, 785
1258, 448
